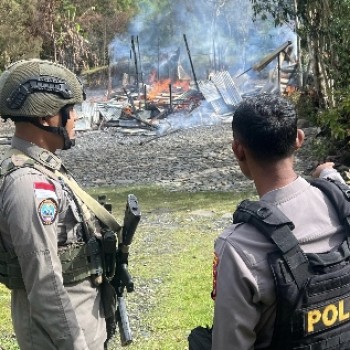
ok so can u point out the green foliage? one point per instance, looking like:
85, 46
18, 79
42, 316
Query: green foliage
17, 41
325, 33
321, 148
281, 10
335, 122
5, 326
305, 106
8, 343
72, 32
331, 119
7, 340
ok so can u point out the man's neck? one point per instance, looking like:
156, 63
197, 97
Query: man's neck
35, 135
273, 176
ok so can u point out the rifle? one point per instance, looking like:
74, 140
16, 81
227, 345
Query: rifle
116, 273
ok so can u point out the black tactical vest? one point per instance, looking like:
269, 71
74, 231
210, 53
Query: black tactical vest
312, 290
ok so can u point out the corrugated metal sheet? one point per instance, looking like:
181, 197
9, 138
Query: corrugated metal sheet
221, 92
228, 90
214, 97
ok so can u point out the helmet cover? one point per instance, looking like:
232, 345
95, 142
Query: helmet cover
37, 88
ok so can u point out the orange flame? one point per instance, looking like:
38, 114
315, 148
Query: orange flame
163, 86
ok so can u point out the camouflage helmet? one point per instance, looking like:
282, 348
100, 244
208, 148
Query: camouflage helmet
37, 88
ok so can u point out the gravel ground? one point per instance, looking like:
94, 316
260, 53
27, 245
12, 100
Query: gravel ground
198, 159
192, 159
189, 160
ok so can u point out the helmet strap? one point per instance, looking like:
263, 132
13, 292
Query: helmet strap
61, 130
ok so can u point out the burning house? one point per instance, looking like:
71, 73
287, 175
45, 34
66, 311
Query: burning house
146, 94
132, 71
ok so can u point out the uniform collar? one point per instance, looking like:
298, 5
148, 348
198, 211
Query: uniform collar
285, 193
41, 155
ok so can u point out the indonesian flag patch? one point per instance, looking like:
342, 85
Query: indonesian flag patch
47, 211
44, 190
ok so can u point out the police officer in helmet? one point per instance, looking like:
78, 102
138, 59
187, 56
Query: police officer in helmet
48, 252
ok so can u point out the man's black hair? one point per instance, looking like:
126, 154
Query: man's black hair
266, 125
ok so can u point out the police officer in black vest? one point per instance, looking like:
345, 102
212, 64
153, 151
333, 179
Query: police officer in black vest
281, 271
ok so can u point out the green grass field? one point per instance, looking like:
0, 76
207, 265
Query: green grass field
170, 260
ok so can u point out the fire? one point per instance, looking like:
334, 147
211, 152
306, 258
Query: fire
163, 86
182, 84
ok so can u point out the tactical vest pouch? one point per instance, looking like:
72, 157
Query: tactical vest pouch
75, 260
200, 338
76, 265
10, 271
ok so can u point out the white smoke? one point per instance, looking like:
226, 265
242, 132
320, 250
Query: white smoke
203, 115
220, 37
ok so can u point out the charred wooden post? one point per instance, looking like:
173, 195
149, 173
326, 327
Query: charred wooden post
135, 60
267, 59
145, 94
138, 49
129, 62
170, 98
189, 56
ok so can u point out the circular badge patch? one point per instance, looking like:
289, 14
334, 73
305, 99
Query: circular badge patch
48, 211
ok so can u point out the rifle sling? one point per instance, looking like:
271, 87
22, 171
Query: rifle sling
101, 213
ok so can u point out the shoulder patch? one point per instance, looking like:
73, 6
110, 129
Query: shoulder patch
47, 211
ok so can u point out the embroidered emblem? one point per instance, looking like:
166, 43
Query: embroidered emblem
47, 211
44, 190
215, 266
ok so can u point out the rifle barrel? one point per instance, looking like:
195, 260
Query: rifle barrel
123, 322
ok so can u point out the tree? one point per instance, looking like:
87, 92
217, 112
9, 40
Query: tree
319, 31
75, 33
324, 33
100, 22
16, 39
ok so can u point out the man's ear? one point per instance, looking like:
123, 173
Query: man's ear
238, 150
43, 121
46, 121
299, 139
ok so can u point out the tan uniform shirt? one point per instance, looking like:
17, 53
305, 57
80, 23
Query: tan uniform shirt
38, 216
245, 304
